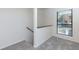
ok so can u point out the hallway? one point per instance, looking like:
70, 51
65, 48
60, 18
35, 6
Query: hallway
51, 44
19, 26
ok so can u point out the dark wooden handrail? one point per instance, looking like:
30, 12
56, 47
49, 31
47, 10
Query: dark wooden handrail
29, 29
44, 26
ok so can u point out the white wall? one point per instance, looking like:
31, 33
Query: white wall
42, 17
76, 25
42, 34
13, 23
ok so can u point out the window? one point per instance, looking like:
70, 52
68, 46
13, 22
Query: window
64, 22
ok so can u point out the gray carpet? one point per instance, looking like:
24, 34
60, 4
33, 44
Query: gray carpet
51, 44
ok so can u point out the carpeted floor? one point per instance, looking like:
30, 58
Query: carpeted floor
51, 44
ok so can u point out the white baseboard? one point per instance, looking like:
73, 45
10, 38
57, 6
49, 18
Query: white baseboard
10, 44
